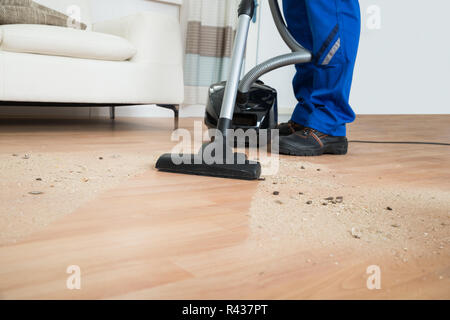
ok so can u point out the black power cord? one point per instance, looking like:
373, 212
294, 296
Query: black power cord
401, 142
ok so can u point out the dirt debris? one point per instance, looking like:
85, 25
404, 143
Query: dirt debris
356, 233
58, 186
325, 219
35, 193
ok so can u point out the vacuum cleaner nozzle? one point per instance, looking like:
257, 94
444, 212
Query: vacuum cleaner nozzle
238, 168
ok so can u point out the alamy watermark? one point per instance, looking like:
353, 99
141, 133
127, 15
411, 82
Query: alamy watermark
374, 280
373, 21
74, 17
73, 282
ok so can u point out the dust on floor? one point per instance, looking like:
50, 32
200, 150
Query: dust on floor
312, 206
307, 204
38, 188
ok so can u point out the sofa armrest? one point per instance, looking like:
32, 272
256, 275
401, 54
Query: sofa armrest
157, 37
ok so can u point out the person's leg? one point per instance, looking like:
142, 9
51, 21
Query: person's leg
296, 16
323, 87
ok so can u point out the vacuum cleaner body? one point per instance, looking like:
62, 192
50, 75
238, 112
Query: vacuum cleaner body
258, 112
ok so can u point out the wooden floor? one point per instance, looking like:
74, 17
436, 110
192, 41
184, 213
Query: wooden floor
163, 236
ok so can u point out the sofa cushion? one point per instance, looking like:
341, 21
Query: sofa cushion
29, 12
58, 41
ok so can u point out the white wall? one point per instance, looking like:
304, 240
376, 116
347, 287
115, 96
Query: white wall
402, 68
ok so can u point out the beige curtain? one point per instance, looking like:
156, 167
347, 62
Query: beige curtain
210, 33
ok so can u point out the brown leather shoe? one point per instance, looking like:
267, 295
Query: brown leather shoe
288, 128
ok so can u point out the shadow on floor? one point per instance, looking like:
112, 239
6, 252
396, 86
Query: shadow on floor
9, 125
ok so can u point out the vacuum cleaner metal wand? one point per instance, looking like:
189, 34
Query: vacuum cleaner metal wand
229, 98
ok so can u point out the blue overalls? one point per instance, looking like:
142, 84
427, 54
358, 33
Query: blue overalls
330, 29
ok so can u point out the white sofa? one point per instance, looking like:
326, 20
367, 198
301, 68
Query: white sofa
56, 66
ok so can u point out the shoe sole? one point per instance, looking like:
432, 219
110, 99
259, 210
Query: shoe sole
335, 149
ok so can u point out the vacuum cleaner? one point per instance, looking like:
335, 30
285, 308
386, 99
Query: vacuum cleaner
245, 104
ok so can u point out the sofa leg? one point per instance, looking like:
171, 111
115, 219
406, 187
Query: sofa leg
176, 119
112, 113
176, 110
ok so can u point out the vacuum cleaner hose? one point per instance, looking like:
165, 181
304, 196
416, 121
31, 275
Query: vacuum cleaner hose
272, 64
299, 55
282, 28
